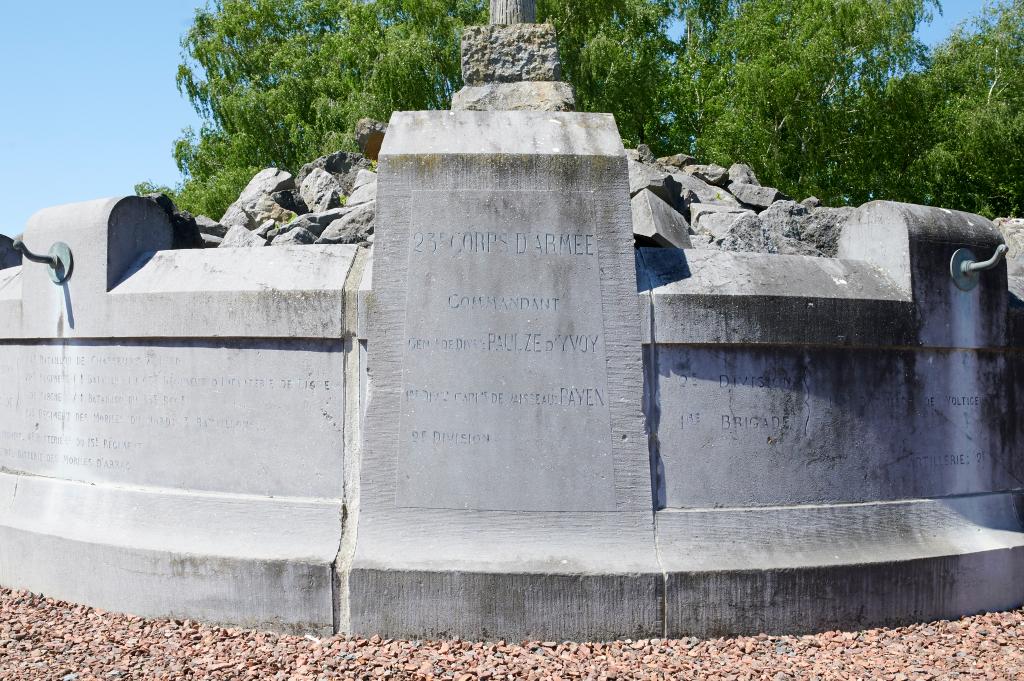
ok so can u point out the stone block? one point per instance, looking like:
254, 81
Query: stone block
149, 464
743, 174
485, 219
320, 191
524, 96
510, 54
657, 222
369, 137
756, 196
240, 237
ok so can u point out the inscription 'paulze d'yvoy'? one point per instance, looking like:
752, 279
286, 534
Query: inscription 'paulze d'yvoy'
468, 362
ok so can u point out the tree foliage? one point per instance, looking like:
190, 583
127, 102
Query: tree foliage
835, 98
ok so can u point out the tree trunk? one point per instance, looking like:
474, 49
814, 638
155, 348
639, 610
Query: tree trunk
513, 11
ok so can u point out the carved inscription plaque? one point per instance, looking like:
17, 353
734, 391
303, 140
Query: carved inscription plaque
746, 427
505, 401
213, 416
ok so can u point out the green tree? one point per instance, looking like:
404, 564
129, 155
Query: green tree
803, 90
974, 93
280, 82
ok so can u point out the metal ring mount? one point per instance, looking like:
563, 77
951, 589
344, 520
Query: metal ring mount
59, 259
965, 269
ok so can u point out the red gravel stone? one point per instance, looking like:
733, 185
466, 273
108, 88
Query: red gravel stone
41, 638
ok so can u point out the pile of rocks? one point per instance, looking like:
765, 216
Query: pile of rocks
332, 200
679, 203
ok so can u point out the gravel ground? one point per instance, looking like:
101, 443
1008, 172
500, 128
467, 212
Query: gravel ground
41, 638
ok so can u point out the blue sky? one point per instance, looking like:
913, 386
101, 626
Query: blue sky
91, 106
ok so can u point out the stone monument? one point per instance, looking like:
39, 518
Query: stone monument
504, 402
515, 425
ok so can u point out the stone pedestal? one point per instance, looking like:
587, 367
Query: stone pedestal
505, 488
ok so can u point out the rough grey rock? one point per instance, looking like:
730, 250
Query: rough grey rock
243, 212
320, 191
510, 54
289, 199
265, 228
268, 209
755, 195
294, 237
210, 240
785, 218
657, 223
742, 173
1013, 234
363, 194
712, 174
679, 161
824, 226
715, 220
344, 165
778, 232
644, 176
364, 177
524, 96
811, 202
644, 154
186, 231
694, 190
353, 227
237, 216
210, 226
8, 256
241, 237
370, 137
315, 223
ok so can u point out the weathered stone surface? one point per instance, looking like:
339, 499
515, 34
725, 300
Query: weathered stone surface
210, 240
712, 174
290, 200
344, 165
363, 194
823, 227
369, 137
242, 237
513, 11
811, 202
315, 223
243, 212
679, 161
320, 191
525, 96
264, 229
268, 209
656, 222
351, 227
180, 492
560, 230
364, 177
743, 174
186, 230
694, 190
644, 176
715, 220
210, 226
510, 54
1013, 233
8, 256
755, 195
294, 237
